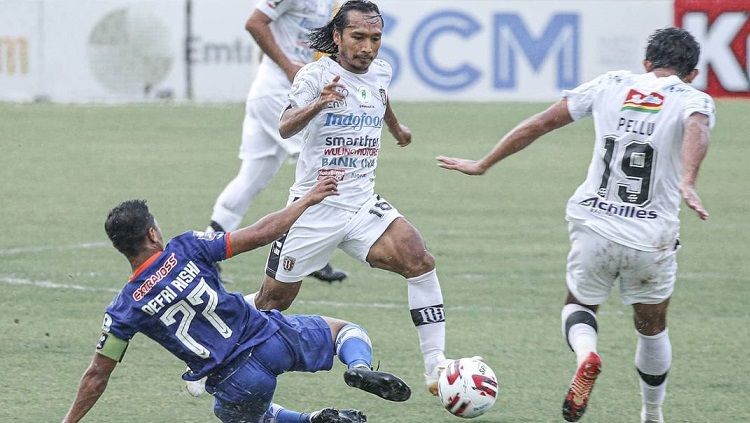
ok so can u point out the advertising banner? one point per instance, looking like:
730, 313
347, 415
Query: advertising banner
114, 50
723, 30
471, 50
20, 50
223, 55
512, 50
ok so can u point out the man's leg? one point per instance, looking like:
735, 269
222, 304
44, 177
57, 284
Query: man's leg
590, 275
579, 328
653, 358
354, 349
275, 295
400, 249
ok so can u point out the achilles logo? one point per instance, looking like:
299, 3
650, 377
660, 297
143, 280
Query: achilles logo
599, 206
428, 315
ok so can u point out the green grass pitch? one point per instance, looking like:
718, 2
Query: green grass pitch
500, 242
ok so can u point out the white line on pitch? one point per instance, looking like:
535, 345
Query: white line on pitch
40, 249
11, 280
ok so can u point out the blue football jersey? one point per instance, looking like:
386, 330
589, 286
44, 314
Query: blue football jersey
177, 299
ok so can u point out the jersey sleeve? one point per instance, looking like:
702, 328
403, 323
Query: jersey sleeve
700, 102
581, 99
116, 332
274, 8
211, 246
306, 86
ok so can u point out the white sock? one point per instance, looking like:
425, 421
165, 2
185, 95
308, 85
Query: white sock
653, 359
581, 326
250, 299
426, 306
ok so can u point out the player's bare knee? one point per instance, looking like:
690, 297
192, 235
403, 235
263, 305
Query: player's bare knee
273, 301
418, 264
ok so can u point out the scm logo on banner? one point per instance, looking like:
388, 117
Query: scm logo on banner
511, 41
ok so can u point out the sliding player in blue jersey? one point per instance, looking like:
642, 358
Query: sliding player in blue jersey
176, 298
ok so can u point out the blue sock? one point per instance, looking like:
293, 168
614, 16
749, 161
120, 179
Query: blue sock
353, 346
279, 414
289, 416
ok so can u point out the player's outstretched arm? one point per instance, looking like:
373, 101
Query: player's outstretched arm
93, 383
272, 226
294, 119
258, 25
400, 132
556, 116
694, 149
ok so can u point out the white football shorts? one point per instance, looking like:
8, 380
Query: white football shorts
260, 130
595, 263
312, 239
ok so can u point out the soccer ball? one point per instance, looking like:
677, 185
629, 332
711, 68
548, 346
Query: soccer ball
467, 387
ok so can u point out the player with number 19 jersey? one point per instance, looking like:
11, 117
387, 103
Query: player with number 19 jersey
177, 299
344, 139
631, 193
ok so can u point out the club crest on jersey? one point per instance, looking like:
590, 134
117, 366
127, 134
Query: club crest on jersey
644, 103
288, 263
383, 96
363, 94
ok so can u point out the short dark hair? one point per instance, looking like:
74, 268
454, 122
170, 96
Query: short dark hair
127, 226
673, 48
321, 39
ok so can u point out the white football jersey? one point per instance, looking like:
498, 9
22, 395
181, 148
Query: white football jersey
631, 193
343, 140
291, 23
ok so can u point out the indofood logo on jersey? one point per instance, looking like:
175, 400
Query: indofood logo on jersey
645, 103
599, 206
356, 122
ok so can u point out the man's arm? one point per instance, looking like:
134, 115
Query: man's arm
556, 116
272, 226
294, 119
92, 386
258, 25
694, 149
400, 132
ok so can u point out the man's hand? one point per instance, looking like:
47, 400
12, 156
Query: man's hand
323, 188
402, 134
693, 201
331, 92
469, 167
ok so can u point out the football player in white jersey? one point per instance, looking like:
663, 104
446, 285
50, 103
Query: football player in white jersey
280, 29
652, 133
340, 105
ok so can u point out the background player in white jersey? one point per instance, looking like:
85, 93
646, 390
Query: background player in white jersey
340, 104
280, 29
176, 298
652, 132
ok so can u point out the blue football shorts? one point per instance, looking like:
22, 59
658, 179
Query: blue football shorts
244, 388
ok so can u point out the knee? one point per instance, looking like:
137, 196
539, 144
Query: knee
418, 264
273, 301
